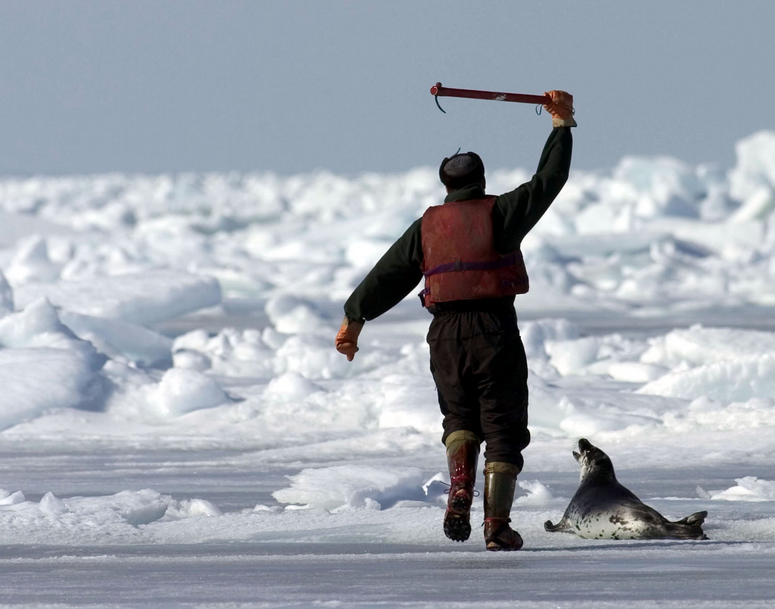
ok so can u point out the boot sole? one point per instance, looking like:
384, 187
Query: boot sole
496, 547
457, 527
495, 544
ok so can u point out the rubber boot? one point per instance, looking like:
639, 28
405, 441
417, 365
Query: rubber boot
500, 479
462, 455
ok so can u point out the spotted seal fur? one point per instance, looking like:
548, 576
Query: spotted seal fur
604, 509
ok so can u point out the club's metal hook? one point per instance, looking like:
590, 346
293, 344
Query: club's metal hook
436, 97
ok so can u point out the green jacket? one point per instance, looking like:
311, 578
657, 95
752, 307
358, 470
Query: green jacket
399, 271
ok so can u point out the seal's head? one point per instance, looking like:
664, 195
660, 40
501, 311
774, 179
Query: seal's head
594, 462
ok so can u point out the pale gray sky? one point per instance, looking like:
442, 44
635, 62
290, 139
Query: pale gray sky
294, 86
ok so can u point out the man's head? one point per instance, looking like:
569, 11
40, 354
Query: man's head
460, 170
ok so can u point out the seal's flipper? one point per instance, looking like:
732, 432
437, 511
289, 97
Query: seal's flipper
696, 519
560, 527
689, 527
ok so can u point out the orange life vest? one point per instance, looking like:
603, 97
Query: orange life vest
459, 257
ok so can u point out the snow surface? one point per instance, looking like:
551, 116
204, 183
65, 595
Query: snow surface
176, 428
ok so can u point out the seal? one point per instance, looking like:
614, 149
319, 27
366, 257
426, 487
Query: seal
604, 509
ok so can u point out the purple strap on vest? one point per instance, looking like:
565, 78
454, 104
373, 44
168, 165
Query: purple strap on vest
457, 266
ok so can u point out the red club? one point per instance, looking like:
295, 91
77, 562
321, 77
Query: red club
438, 91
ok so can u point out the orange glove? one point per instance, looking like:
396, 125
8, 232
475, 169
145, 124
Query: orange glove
347, 339
561, 109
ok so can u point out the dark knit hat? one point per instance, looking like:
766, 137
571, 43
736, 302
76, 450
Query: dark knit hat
461, 169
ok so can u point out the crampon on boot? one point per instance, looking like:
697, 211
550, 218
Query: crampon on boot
500, 479
462, 455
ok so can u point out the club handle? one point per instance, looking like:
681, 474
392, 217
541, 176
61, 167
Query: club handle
522, 98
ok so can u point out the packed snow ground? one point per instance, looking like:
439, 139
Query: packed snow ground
177, 429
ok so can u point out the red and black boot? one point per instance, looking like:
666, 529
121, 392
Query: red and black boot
462, 455
500, 480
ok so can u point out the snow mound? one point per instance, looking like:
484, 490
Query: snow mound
665, 186
707, 414
231, 352
612, 354
44, 366
535, 334
192, 508
36, 381
312, 357
291, 387
31, 263
755, 169
292, 315
9, 498
104, 519
698, 345
352, 486
6, 296
39, 325
749, 488
538, 494
121, 340
263, 355
408, 401
734, 380
139, 298
183, 391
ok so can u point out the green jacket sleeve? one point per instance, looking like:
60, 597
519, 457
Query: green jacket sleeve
516, 212
391, 279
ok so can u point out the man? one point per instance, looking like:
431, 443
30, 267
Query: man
468, 252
